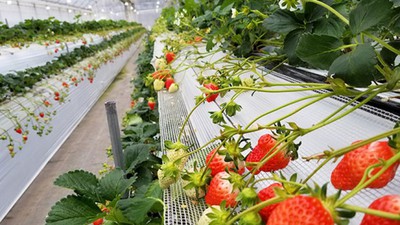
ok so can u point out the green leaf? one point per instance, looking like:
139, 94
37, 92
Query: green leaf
73, 210
145, 178
282, 21
368, 14
136, 209
114, 184
356, 67
313, 12
318, 50
149, 129
329, 27
82, 182
154, 190
290, 44
136, 154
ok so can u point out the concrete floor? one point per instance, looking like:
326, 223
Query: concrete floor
80, 151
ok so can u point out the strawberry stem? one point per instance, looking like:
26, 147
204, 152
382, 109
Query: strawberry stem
374, 212
187, 119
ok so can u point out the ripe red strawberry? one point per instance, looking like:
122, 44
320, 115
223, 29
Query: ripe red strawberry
56, 50
18, 130
264, 195
218, 164
41, 114
214, 87
198, 38
168, 82
351, 168
56, 98
98, 221
65, 84
265, 144
56, 93
305, 210
387, 203
169, 56
46, 103
57, 41
222, 189
133, 103
151, 103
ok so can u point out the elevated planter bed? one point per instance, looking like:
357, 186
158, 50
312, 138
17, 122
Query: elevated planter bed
17, 173
361, 124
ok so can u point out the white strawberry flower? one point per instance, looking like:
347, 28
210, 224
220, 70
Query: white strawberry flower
292, 5
234, 13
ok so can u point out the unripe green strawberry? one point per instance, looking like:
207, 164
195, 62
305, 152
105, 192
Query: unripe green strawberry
248, 82
158, 84
204, 218
173, 88
160, 64
251, 218
194, 182
164, 181
176, 154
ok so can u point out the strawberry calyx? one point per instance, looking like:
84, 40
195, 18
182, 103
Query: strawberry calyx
248, 197
219, 215
197, 179
169, 145
394, 140
340, 216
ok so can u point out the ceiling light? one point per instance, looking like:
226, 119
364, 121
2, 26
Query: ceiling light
9, 2
68, 1
47, 7
70, 10
131, 8
135, 10
102, 10
126, 3
85, 14
89, 6
111, 12
158, 2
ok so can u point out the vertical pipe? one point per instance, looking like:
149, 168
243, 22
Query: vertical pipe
113, 127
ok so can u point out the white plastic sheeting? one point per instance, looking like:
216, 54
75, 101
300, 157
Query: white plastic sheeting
16, 174
361, 124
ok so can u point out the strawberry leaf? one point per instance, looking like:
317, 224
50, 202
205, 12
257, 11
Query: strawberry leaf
368, 14
356, 67
114, 184
136, 209
82, 182
318, 50
73, 210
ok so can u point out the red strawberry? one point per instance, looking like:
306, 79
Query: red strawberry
57, 41
168, 82
46, 103
351, 168
222, 189
169, 56
387, 203
278, 161
41, 114
56, 98
56, 50
24, 138
305, 210
133, 103
151, 103
57, 93
18, 130
198, 39
264, 195
65, 84
218, 164
98, 221
214, 87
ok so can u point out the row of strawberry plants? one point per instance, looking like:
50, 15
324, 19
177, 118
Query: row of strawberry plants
129, 195
33, 111
22, 81
352, 61
53, 30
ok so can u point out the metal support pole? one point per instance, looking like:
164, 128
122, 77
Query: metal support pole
113, 127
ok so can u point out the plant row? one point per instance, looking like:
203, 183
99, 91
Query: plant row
355, 42
52, 30
33, 111
21, 81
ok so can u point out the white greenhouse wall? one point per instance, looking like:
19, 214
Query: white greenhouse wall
17, 173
